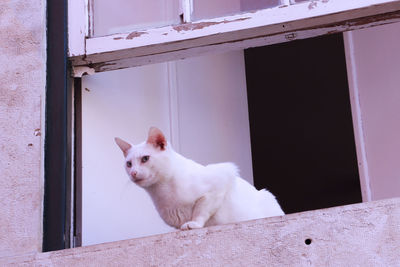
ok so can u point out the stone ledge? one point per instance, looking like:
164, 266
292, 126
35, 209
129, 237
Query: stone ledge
366, 234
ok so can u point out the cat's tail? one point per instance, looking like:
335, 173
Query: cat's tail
269, 201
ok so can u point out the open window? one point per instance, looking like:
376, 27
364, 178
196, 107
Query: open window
223, 78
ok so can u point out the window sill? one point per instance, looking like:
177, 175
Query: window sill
363, 234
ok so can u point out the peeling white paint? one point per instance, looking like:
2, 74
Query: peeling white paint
357, 119
79, 71
235, 32
77, 27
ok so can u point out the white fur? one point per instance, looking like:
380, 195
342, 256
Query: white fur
189, 195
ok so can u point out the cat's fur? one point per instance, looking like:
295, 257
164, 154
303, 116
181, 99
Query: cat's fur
188, 195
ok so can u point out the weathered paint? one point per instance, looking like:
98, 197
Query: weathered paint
78, 27
82, 70
365, 234
186, 10
89, 21
134, 35
237, 32
357, 119
22, 90
201, 25
152, 54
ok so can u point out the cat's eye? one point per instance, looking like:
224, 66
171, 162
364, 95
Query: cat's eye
128, 164
145, 159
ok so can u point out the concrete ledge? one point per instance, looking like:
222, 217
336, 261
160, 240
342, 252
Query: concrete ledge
366, 234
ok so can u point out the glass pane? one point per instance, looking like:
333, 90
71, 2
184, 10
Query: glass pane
204, 9
127, 15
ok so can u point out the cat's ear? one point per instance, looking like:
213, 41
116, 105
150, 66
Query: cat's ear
123, 145
156, 138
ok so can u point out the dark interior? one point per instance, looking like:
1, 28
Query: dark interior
301, 124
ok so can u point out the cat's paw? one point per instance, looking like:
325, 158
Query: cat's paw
191, 225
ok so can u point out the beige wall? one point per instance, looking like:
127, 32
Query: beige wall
22, 86
342, 236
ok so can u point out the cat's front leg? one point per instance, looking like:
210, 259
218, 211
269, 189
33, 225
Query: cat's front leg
203, 209
191, 225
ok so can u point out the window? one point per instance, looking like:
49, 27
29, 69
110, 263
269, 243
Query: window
188, 30
286, 22
302, 132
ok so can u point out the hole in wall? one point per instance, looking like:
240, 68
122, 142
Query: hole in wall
308, 241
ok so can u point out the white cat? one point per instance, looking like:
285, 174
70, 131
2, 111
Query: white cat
188, 195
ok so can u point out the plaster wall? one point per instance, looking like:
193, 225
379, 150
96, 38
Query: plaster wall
364, 234
22, 87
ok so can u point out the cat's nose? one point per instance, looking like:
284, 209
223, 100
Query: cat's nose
134, 173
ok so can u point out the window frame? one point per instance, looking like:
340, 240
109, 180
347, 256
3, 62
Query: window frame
58, 133
88, 55
284, 23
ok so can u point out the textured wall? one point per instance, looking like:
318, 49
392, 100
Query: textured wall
22, 86
365, 234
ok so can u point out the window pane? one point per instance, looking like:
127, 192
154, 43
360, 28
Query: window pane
204, 9
126, 15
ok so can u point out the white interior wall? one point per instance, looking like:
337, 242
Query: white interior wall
213, 111
374, 71
199, 103
121, 103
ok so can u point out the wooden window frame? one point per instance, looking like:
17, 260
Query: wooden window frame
284, 23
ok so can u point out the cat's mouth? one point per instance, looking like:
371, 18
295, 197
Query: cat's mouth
137, 180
